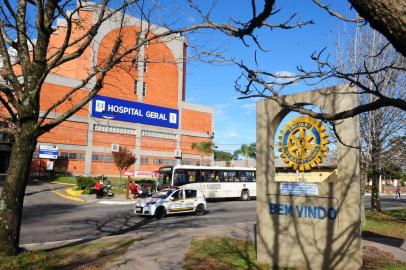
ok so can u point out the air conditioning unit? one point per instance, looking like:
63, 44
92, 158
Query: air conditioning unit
178, 153
115, 147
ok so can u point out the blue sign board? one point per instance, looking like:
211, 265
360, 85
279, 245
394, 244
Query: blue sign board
136, 112
299, 189
48, 151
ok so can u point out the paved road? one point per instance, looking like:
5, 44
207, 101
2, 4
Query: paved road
387, 202
47, 217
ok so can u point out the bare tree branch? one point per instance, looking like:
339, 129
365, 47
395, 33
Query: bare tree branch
336, 14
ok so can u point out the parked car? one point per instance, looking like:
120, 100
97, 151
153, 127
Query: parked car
170, 201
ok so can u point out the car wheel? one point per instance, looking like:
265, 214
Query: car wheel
199, 211
245, 196
160, 212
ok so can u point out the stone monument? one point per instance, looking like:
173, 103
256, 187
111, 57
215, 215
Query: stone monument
306, 225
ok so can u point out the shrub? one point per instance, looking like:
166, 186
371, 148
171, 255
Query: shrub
86, 183
62, 170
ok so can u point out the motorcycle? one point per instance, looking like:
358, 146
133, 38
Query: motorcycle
107, 191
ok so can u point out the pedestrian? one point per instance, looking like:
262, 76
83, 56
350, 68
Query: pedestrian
397, 192
98, 187
133, 188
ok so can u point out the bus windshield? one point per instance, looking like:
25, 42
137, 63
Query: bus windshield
165, 176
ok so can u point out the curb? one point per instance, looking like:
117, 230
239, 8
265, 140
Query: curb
68, 197
62, 183
61, 243
117, 202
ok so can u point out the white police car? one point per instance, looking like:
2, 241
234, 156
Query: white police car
170, 201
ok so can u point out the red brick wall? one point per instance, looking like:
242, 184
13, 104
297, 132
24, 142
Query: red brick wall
67, 132
107, 139
196, 121
104, 168
51, 93
157, 144
77, 68
161, 76
119, 82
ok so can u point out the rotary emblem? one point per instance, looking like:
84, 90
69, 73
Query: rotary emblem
303, 143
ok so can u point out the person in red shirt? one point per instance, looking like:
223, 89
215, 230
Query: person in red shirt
98, 187
133, 188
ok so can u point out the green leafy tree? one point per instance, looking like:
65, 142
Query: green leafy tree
203, 147
123, 159
247, 151
222, 155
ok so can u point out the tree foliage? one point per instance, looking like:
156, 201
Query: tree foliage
247, 151
222, 156
368, 50
203, 147
123, 159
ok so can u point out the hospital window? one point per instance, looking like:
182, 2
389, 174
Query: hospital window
144, 89
135, 87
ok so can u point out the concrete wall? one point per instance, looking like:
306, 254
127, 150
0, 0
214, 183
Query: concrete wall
301, 242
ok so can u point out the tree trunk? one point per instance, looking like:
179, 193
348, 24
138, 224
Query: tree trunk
364, 179
12, 196
386, 16
376, 172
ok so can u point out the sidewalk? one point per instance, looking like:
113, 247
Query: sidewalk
69, 193
167, 250
392, 245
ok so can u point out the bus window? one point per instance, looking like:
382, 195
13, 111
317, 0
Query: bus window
180, 178
243, 176
247, 176
198, 176
213, 177
251, 176
191, 176
219, 176
207, 176
232, 176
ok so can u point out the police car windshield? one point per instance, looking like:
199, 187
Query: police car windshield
163, 194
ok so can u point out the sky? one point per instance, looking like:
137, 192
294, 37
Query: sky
213, 85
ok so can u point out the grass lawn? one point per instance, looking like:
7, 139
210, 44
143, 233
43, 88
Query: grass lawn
221, 253
85, 256
65, 180
387, 223
227, 253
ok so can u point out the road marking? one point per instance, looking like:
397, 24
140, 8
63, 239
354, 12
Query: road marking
73, 192
71, 198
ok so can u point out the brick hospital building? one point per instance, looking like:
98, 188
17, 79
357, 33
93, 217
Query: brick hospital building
141, 106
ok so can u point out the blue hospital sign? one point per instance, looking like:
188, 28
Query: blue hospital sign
136, 112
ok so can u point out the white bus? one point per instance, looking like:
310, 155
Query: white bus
214, 182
